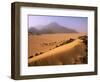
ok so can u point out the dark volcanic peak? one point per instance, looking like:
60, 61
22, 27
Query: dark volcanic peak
52, 28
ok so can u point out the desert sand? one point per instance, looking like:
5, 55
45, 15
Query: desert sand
42, 43
54, 49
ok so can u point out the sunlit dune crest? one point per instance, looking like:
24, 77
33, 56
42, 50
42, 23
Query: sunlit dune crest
66, 54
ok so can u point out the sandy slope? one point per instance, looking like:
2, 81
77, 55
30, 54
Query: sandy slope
66, 54
45, 42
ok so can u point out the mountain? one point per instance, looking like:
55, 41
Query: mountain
52, 28
56, 28
33, 30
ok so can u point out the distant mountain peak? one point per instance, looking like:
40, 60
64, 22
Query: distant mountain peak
52, 28
54, 24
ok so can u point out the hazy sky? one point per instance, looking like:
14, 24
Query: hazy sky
80, 24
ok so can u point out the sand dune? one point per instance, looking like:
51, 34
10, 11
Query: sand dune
43, 43
66, 54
